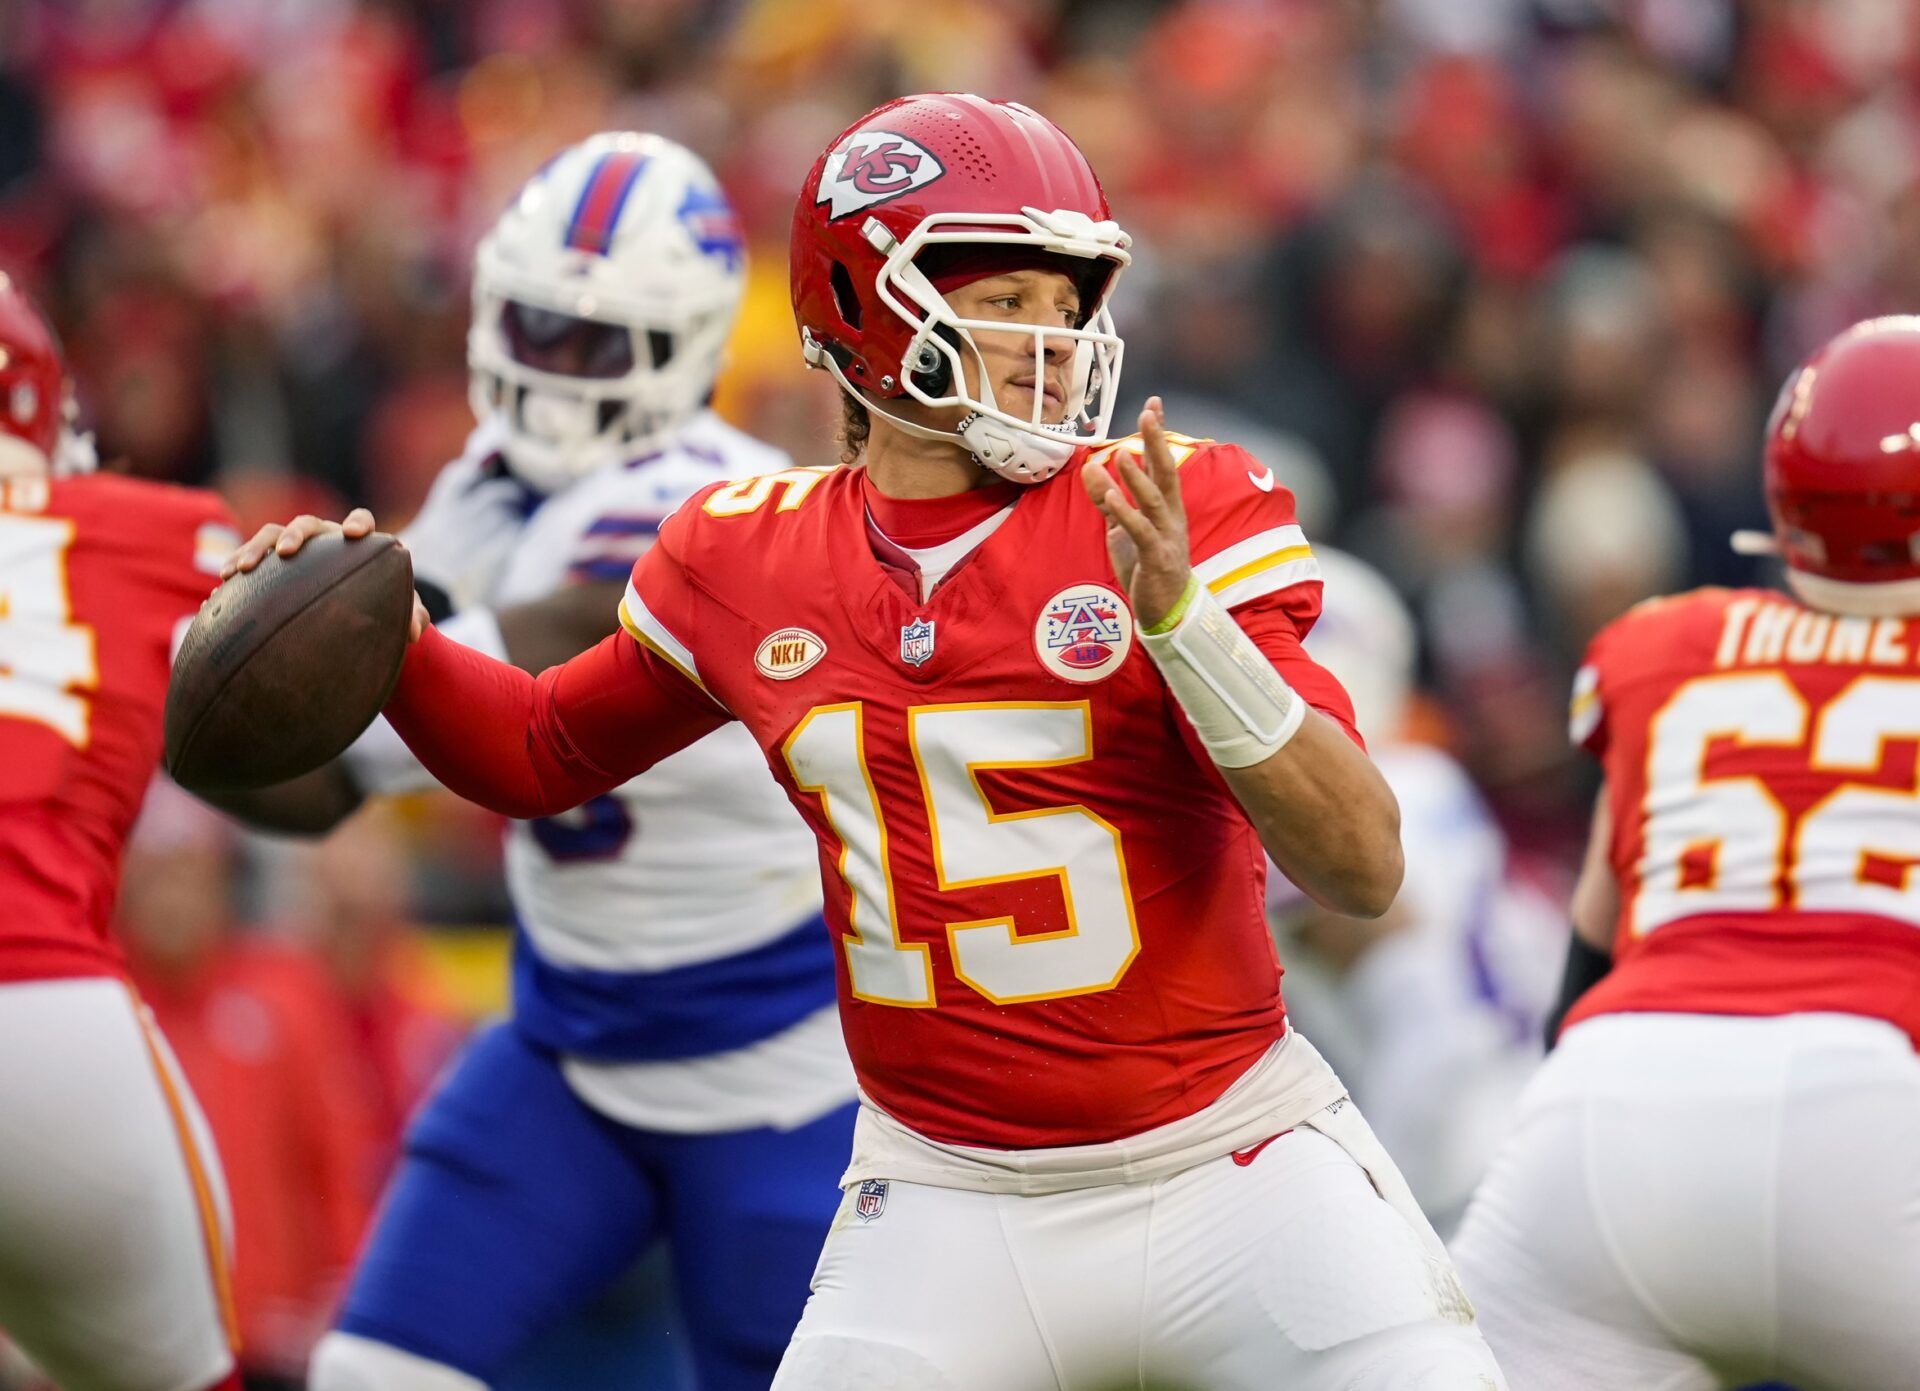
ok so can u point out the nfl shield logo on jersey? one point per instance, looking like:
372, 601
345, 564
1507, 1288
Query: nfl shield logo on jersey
1084, 633
916, 642
872, 1199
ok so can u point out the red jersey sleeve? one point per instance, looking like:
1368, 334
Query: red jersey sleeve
1249, 550
1587, 708
209, 533
661, 608
529, 746
215, 536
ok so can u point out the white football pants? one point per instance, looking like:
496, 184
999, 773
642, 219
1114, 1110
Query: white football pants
1692, 1201
1286, 1271
113, 1214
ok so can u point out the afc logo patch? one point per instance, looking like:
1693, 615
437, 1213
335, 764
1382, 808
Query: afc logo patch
871, 1200
872, 167
1084, 633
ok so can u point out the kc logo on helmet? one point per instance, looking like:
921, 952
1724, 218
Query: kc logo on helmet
872, 167
1084, 633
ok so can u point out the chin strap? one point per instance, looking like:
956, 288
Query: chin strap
1017, 454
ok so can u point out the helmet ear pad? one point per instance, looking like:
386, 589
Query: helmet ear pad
932, 370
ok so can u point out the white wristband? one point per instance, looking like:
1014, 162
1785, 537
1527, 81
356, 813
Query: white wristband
1242, 709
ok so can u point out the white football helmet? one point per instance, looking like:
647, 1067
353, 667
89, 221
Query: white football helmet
602, 299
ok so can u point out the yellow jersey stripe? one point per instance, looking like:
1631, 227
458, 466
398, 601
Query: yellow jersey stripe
1247, 550
1255, 567
646, 640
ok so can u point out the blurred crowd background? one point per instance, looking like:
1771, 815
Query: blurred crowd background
1504, 288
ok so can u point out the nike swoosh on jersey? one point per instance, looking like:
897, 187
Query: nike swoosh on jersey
1263, 481
1247, 1156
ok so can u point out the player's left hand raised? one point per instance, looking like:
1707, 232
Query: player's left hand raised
1147, 537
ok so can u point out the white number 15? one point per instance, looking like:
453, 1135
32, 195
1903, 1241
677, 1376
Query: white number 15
973, 845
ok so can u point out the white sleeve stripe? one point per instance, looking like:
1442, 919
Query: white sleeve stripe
645, 628
1587, 711
212, 544
1269, 581
1240, 553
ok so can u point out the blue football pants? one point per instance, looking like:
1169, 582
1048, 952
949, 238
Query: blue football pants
516, 1204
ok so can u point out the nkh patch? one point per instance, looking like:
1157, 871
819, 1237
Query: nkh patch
871, 1200
872, 167
916, 642
1084, 633
788, 653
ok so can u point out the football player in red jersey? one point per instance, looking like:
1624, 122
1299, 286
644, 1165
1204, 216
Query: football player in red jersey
113, 1243
1715, 1179
1042, 697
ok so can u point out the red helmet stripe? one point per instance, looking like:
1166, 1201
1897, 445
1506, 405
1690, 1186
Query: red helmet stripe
601, 201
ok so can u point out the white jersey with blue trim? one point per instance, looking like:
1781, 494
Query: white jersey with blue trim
704, 849
671, 946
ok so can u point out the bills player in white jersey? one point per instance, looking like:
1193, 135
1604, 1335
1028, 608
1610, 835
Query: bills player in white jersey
1433, 1011
673, 1065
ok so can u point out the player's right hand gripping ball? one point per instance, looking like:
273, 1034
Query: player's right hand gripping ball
287, 663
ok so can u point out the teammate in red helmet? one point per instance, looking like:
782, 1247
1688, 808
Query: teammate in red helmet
37, 407
1040, 693
1716, 1177
113, 1246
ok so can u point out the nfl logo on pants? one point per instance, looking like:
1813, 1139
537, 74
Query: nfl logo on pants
872, 1200
916, 642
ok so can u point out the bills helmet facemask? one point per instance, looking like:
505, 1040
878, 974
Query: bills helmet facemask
1843, 473
602, 300
38, 413
937, 189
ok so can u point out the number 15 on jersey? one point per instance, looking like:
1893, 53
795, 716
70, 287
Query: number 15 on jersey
973, 845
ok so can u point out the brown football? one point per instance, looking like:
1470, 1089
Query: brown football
285, 665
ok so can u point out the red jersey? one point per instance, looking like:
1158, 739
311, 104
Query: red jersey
1050, 905
96, 572
1761, 776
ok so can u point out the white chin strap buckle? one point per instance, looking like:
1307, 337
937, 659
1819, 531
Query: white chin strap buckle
1013, 453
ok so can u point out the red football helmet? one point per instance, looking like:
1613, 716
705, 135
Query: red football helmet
948, 171
37, 408
1843, 471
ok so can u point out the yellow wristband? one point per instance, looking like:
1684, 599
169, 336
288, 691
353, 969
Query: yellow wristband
1172, 617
